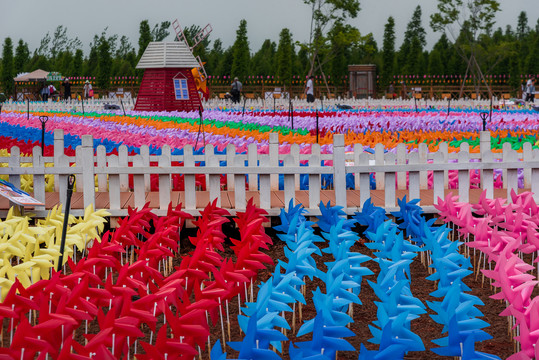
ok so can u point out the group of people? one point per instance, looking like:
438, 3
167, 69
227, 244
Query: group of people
236, 88
49, 90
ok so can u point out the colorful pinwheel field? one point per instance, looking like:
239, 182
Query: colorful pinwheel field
461, 283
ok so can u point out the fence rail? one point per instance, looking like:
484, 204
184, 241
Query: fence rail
253, 174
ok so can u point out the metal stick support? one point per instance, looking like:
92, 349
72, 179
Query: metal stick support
292, 114
490, 114
43, 120
317, 126
200, 128
122, 103
484, 118
70, 183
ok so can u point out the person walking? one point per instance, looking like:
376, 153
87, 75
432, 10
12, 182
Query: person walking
88, 91
67, 89
532, 91
45, 92
530, 86
235, 90
309, 89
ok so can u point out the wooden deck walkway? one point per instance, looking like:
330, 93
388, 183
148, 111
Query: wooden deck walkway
228, 201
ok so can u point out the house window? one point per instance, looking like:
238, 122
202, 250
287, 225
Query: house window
180, 89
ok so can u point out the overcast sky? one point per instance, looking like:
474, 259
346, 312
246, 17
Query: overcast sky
31, 19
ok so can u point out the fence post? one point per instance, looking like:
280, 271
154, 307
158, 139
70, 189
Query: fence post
464, 176
339, 171
214, 181
274, 158
401, 160
314, 180
379, 160
265, 184
252, 156
527, 155
164, 179
145, 154
15, 162
289, 185
189, 179
114, 184
230, 155
512, 175
413, 176
484, 147
88, 170
423, 151
239, 192
101, 155
535, 177
438, 178
389, 179
123, 163
39, 180
58, 151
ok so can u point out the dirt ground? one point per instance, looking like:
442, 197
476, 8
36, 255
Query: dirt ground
365, 314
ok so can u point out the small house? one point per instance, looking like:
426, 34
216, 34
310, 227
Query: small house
168, 83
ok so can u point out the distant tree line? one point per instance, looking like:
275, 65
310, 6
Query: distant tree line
511, 51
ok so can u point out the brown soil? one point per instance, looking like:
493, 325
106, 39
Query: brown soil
363, 315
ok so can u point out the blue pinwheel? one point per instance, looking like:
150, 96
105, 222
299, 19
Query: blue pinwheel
326, 341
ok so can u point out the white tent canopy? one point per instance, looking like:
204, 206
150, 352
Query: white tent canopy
33, 76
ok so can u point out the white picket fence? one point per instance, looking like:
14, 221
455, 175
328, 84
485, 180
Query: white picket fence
97, 105
90, 105
263, 169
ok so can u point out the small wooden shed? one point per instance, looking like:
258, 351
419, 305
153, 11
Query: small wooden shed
362, 80
168, 83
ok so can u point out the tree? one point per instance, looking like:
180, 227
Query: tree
444, 47
225, 64
264, 59
78, 62
7, 74
22, 56
145, 37
343, 40
201, 49
412, 46
301, 65
435, 67
285, 57
61, 42
125, 48
64, 63
160, 31
327, 14
388, 51
522, 26
415, 28
104, 63
91, 64
214, 57
532, 65
473, 18
241, 55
